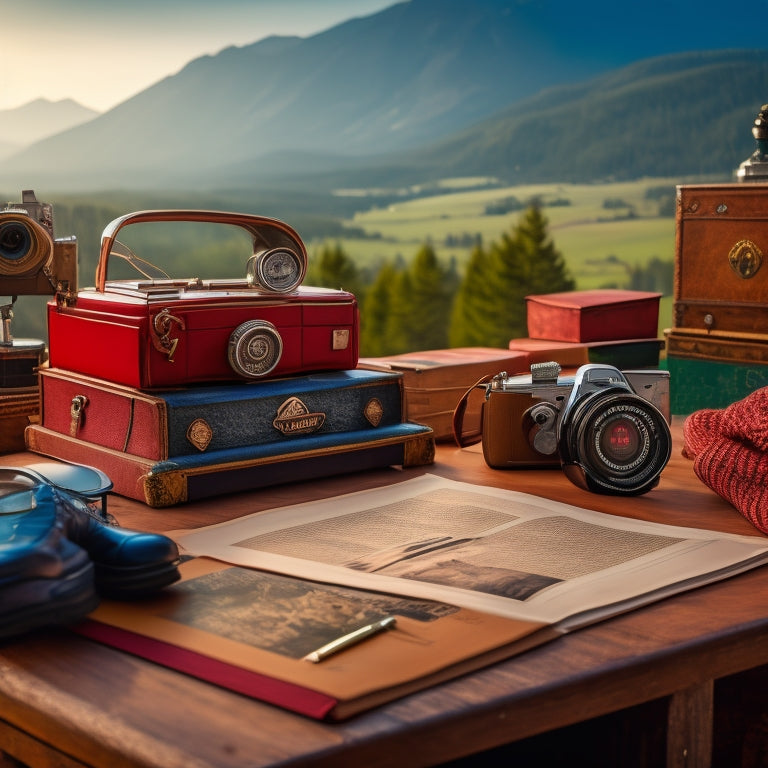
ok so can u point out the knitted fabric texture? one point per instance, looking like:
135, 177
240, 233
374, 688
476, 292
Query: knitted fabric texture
737, 472
729, 447
699, 429
747, 419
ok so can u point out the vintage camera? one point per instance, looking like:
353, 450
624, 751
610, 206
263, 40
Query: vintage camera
608, 429
32, 262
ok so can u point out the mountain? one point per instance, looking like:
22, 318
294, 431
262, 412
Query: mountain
414, 74
680, 115
38, 119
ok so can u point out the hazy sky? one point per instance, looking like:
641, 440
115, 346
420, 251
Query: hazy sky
100, 52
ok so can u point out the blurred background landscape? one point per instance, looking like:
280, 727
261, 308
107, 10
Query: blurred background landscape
406, 144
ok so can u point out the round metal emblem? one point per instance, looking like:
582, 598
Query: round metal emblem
255, 348
745, 259
279, 270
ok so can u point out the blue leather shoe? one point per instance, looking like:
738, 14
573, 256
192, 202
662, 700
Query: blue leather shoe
127, 563
45, 579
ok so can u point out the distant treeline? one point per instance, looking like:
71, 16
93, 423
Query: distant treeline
423, 304
406, 305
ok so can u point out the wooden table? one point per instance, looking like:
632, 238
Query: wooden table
684, 678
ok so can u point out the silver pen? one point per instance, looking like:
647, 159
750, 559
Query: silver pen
340, 643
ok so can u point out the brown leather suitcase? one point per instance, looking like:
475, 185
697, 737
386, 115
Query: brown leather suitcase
721, 244
435, 380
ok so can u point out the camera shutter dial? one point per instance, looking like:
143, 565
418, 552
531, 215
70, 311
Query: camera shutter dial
255, 348
278, 270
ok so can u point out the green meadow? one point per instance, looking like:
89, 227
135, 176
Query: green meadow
602, 230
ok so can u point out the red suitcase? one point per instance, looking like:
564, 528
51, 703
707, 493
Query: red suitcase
168, 332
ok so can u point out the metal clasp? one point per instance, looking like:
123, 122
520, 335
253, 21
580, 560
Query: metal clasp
161, 333
76, 413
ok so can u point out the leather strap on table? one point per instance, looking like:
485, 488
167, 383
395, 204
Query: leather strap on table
470, 438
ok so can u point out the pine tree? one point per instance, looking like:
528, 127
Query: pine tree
429, 292
333, 268
490, 309
506, 281
545, 265
375, 313
471, 319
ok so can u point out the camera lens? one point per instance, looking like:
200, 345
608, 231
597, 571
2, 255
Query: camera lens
618, 442
25, 247
15, 240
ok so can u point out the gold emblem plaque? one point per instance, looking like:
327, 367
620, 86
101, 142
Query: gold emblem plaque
294, 418
745, 259
199, 433
374, 411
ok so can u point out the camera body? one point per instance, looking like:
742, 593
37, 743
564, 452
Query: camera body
607, 429
32, 261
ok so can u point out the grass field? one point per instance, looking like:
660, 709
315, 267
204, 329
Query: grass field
593, 230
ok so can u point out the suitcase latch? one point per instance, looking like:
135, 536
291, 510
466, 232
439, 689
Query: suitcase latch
77, 413
161, 333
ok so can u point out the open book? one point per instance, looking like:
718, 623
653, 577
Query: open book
471, 574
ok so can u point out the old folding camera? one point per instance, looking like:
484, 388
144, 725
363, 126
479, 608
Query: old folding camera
160, 331
32, 262
608, 429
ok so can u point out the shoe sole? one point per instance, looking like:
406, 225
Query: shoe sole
61, 601
125, 583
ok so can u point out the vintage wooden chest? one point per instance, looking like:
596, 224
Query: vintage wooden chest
717, 351
721, 242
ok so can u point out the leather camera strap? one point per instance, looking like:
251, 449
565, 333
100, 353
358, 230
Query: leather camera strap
469, 438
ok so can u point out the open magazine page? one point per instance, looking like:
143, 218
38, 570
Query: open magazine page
487, 549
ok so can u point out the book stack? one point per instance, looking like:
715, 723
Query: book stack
609, 326
181, 390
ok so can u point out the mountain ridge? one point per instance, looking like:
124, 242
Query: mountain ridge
407, 82
38, 119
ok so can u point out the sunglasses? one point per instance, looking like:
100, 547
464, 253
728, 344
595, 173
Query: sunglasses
19, 486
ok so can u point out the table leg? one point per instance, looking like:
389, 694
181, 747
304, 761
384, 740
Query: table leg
689, 727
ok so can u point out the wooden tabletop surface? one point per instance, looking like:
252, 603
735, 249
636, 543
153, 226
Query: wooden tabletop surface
99, 706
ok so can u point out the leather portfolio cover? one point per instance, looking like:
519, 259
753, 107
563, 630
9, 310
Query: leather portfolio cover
598, 315
206, 419
248, 631
435, 380
187, 478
